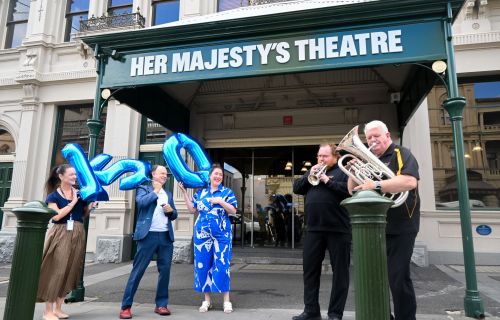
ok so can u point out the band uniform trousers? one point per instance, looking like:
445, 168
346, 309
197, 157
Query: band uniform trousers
339, 249
399, 252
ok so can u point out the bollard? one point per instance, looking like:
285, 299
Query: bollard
367, 210
32, 220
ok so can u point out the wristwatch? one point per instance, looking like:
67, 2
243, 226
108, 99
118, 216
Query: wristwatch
378, 186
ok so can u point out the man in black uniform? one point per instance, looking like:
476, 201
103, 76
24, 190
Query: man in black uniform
328, 226
402, 222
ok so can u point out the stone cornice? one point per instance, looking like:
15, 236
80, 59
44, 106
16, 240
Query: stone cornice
32, 76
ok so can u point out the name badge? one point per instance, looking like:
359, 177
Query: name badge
69, 225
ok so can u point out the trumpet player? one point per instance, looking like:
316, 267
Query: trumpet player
328, 227
402, 222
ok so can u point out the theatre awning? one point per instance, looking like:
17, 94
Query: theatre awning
281, 38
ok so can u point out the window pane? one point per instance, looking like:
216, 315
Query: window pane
16, 35
166, 12
73, 26
20, 11
78, 5
115, 3
487, 90
231, 4
118, 11
481, 147
153, 132
73, 129
7, 144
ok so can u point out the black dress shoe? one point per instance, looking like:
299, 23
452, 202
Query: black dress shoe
307, 316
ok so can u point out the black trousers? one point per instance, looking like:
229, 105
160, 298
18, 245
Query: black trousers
339, 248
399, 251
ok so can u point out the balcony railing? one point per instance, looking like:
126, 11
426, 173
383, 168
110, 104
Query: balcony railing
494, 172
491, 127
114, 21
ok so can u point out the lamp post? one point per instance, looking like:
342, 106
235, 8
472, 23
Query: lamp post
95, 126
454, 105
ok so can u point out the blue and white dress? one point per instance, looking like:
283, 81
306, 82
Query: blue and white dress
212, 241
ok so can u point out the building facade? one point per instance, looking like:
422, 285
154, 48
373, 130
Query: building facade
48, 85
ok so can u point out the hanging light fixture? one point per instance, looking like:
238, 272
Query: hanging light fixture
477, 147
288, 168
289, 164
304, 169
307, 164
467, 156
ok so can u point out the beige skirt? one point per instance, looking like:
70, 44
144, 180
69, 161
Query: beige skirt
62, 262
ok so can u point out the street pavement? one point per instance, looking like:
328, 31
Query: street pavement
263, 291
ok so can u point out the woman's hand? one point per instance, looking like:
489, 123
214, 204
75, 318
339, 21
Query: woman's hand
181, 186
75, 197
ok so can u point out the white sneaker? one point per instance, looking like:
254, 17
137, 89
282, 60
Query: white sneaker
205, 306
228, 307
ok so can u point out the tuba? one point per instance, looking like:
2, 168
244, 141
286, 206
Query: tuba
313, 177
366, 165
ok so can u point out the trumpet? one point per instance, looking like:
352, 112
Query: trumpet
313, 177
365, 165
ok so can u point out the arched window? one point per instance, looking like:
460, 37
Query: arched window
7, 144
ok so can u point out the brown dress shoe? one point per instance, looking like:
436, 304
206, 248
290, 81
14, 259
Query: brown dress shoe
126, 314
162, 311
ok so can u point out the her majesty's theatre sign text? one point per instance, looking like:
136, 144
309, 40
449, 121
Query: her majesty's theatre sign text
299, 52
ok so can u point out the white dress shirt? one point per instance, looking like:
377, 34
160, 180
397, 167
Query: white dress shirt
160, 220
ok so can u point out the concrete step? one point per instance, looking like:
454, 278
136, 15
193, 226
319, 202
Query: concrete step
269, 255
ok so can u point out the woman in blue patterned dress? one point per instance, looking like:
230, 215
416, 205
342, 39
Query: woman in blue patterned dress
212, 237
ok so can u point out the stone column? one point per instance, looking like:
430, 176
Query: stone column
31, 166
183, 225
41, 26
111, 225
97, 8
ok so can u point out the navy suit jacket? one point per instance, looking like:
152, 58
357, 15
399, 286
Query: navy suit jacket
146, 201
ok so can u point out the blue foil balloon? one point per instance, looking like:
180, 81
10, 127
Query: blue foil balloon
90, 189
100, 161
106, 177
179, 168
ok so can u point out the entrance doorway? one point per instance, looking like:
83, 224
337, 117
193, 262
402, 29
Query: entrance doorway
269, 213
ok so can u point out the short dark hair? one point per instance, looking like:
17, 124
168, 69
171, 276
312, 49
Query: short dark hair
332, 146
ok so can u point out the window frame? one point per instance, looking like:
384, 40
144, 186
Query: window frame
154, 4
11, 23
120, 6
68, 16
58, 135
241, 5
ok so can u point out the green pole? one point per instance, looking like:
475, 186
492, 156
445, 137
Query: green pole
32, 220
454, 105
367, 210
95, 126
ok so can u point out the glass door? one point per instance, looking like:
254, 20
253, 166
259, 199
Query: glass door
269, 214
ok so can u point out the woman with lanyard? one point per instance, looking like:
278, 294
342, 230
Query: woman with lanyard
212, 237
65, 244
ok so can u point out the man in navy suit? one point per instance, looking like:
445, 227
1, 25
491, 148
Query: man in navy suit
154, 234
